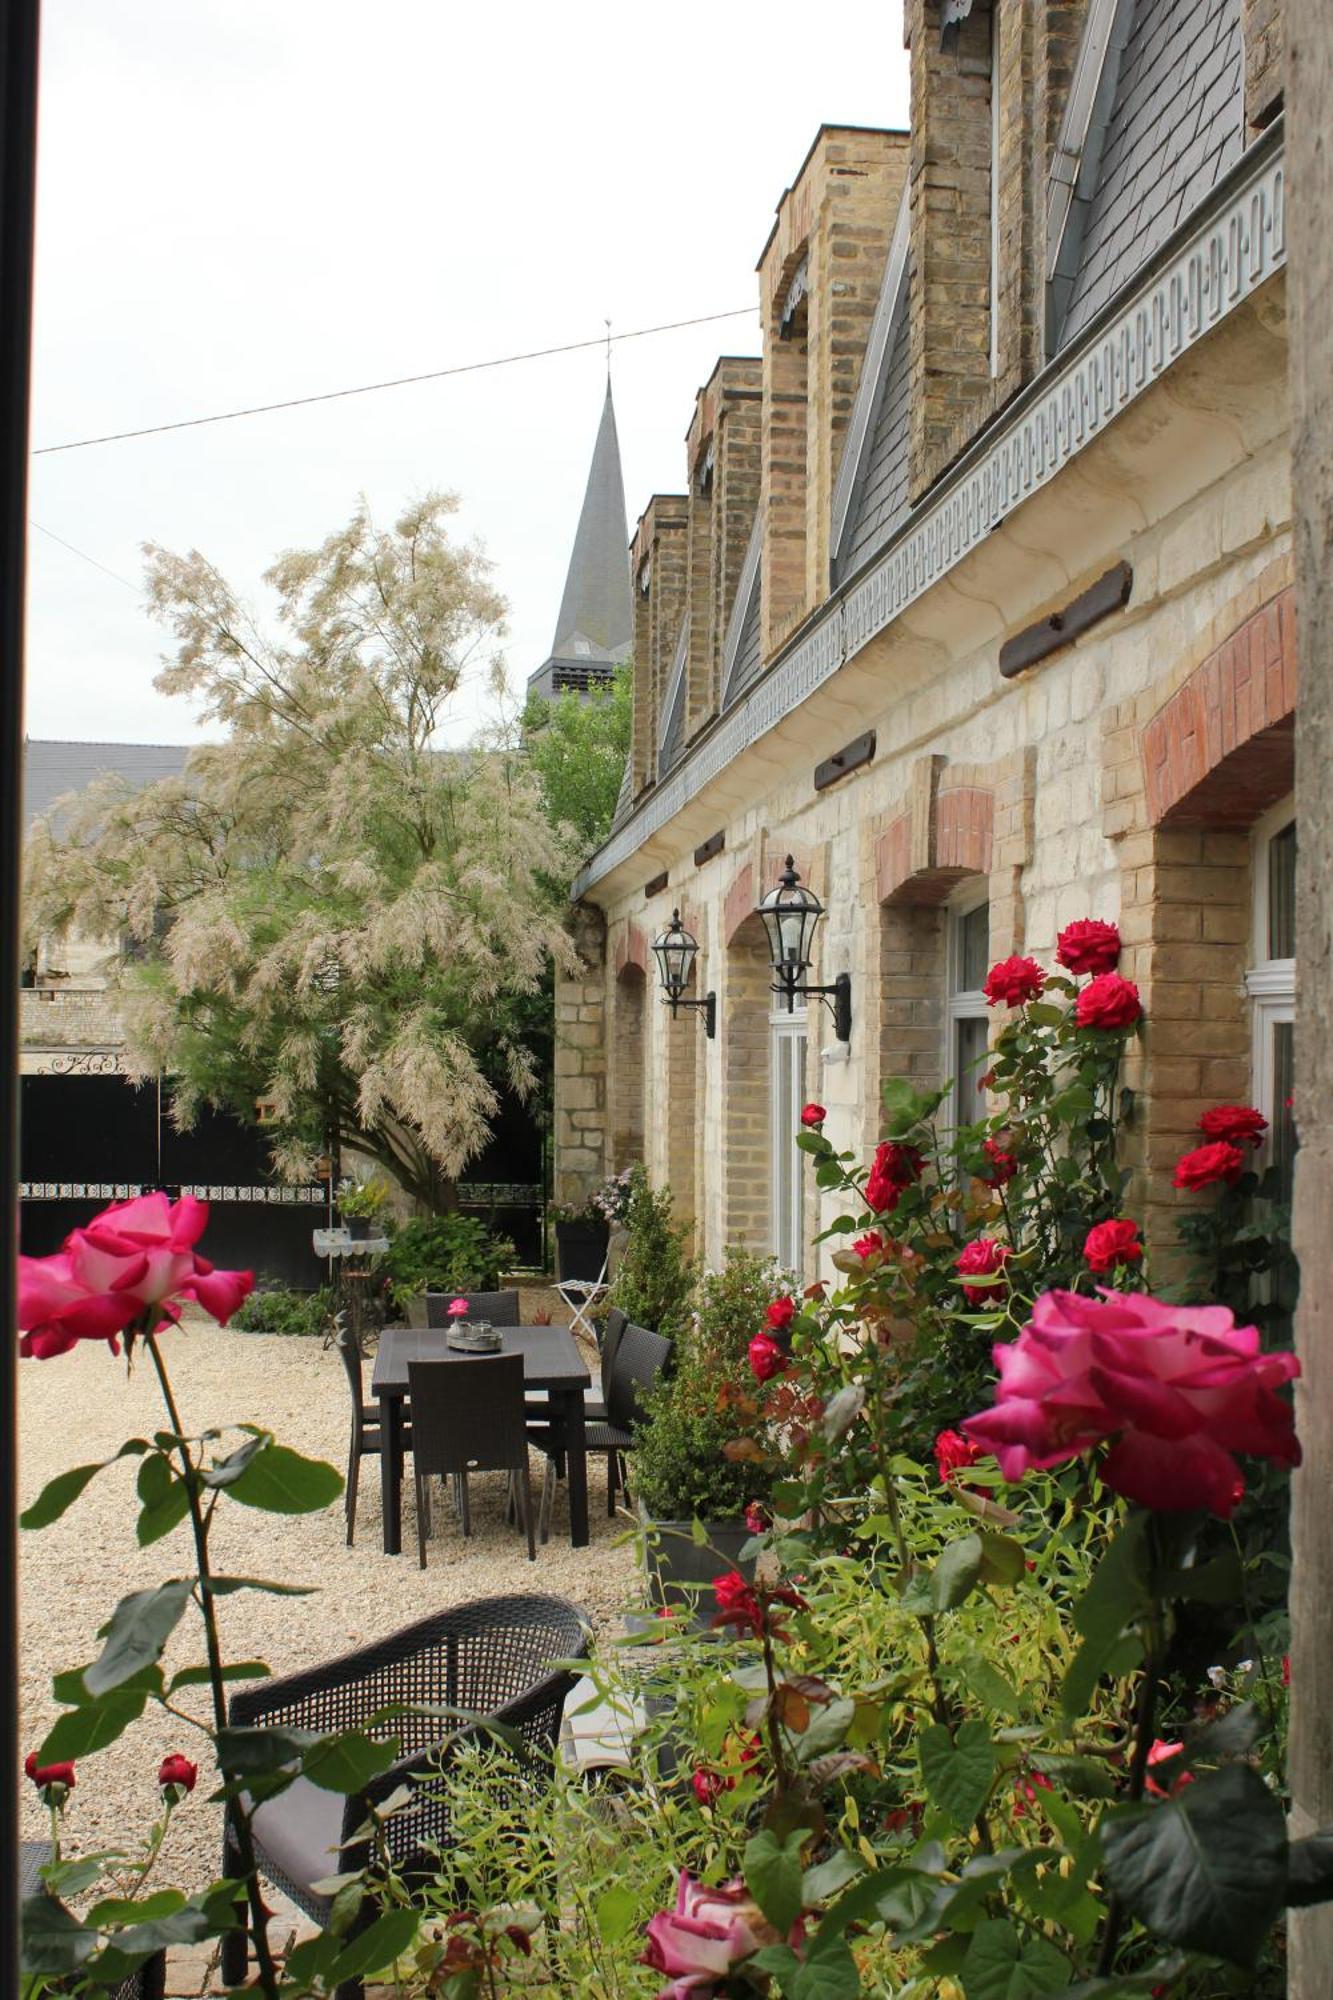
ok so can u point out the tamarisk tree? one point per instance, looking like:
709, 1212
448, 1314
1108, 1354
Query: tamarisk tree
327, 915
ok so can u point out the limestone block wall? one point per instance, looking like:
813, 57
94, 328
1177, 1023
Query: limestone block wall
581, 1045
59, 1018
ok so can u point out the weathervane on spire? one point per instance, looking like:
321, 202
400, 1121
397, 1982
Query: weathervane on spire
607, 324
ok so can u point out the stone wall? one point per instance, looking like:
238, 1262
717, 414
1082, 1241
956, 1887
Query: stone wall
581, 1044
1265, 63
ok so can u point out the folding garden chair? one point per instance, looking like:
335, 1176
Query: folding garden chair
579, 1296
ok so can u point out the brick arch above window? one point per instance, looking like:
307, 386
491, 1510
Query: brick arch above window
945, 832
631, 951
749, 884
1220, 750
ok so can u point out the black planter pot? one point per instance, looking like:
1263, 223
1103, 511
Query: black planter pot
357, 1227
580, 1249
675, 1561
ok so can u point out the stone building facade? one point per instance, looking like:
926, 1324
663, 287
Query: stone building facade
1000, 519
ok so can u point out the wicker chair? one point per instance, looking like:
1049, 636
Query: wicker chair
469, 1417
365, 1439
640, 1360
491, 1658
500, 1308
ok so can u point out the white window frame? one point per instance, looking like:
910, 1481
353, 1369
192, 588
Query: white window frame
959, 1004
1269, 982
786, 1030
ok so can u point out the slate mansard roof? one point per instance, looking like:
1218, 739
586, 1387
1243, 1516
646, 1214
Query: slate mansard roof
52, 768
1165, 124
1175, 124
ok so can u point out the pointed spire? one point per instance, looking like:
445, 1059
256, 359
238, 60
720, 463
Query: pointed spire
596, 619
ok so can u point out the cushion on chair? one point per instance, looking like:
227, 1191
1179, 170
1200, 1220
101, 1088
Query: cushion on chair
299, 1832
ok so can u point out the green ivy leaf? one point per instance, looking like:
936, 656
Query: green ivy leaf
280, 1481
957, 1772
345, 1763
1206, 1868
60, 1493
135, 1633
1000, 1965
773, 1874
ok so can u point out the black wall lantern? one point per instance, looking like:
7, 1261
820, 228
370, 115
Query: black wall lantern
675, 951
790, 914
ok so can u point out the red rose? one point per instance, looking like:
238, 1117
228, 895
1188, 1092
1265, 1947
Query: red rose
1002, 1165
750, 1607
1206, 1164
1112, 1243
894, 1168
177, 1770
757, 1517
953, 1451
43, 1775
707, 1785
1026, 1788
1108, 1002
813, 1114
767, 1359
1088, 946
1175, 1390
1013, 980
780, 1314
868, 1246
1176, 1777
1234, 1123
981, 1259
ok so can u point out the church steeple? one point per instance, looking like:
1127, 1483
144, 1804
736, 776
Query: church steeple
595, 628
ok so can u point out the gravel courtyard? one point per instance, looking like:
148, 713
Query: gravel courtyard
80, 1407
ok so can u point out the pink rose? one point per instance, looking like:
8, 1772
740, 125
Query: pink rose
133, 1258
1088, 946
709, 1932
1110, 1243
1176, 1776
813, 1114
984, 1258
767, 1359
1175, 1390
457, 1308
1206, 1164
1014, 981
1234, 1123
1108, 1002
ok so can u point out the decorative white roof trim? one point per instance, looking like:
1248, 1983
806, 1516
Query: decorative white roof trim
872, 370
1078, 151
745, 587
1234, 246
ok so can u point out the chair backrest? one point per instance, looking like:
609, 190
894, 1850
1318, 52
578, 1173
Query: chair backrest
468, 1414
616, 1322
500, 1308
349, 1353
641, 1358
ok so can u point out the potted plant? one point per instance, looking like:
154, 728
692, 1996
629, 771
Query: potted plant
582, 1229
443, 1253
363, 1206
680, 1470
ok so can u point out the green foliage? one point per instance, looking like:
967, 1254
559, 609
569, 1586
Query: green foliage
681, 1466
445, 1253
282, 1311
329, 915
578, 748
655, 1284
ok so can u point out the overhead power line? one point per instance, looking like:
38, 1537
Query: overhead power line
398, 382
84, 556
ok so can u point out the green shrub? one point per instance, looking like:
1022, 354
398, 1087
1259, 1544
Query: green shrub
654, 1286
445, 1253
282, 1311
681, 1468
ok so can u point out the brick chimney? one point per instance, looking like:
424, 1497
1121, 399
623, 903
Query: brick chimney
819, 280
659, 556
723, 457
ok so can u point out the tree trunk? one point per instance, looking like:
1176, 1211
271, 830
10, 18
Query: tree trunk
1310, 287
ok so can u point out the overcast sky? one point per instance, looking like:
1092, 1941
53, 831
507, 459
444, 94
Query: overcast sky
240, 202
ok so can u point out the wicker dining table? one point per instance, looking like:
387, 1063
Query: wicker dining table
551, 1362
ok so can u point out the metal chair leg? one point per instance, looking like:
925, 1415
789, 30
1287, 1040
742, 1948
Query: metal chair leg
421, 1519
547, 1501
